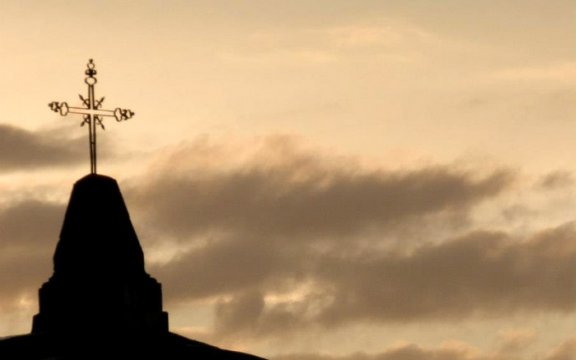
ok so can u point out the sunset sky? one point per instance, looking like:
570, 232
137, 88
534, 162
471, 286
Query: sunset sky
311, 179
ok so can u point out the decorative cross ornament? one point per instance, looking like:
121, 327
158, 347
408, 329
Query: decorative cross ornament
93, 115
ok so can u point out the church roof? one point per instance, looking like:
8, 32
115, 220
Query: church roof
100, 301
97, 237
164, 347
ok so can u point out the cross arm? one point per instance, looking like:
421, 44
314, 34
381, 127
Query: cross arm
64, 109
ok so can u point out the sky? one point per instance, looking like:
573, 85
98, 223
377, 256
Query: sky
311, 180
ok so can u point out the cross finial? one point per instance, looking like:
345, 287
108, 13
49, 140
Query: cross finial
92, 113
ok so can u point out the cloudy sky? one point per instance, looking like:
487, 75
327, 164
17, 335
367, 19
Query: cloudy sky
311, 179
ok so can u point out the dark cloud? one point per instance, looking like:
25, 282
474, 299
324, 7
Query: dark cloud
301, 196
482, 273
28, 235
21, 274
239, 313
486, 274
310, 225
229, 266
30, 223
22, 149
284, 205
556, 180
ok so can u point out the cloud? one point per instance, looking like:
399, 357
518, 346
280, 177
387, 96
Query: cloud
482, 274
392, 41
556, 72
514, 341
284, 192
565, 351
276, 244
556, 180
24, 150
277, 211
298, 240
406, 352
28, 235
30, 223
448, 351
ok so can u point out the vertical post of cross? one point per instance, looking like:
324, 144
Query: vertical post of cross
91, 118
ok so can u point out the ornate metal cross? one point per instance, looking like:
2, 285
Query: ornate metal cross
93, 115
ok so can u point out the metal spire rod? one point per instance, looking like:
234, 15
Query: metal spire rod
92, 113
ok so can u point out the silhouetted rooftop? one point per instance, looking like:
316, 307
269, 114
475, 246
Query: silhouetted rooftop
97, 238
100, 301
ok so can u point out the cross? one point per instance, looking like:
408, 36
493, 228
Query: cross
93, 115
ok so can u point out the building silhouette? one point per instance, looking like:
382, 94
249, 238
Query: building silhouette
100, 303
